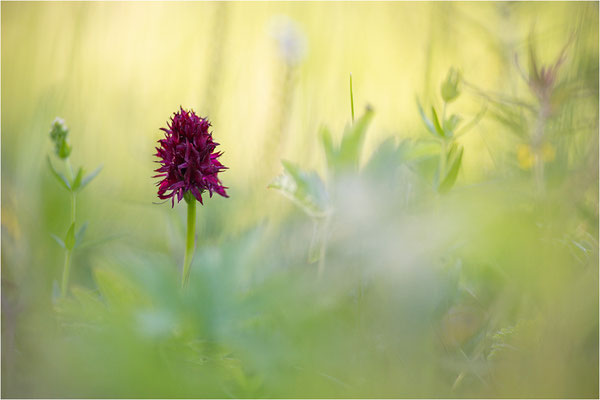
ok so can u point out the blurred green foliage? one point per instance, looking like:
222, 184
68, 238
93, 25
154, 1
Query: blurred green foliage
439, 264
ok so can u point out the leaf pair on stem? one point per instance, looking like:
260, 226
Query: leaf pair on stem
74, 183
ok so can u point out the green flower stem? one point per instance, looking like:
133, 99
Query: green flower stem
189, 243
66, 271
69, 169
537, 143
73, 198
68, 252
73, 207
443, 161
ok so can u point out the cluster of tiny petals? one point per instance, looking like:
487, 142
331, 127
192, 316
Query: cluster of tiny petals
187, 158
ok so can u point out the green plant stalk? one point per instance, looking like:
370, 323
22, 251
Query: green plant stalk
323, 247
443, 157
73, 207
68, 252
537, 142
351, 99
189, 243
66, 271
69, 169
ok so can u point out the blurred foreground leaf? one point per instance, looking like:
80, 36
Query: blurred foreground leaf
454, 162
305, 189
347, 155
118, 289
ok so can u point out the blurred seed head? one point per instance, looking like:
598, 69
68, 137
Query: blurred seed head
290, 39
58, 134
542, 79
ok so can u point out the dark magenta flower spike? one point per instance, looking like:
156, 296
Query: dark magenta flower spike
188, 159
189, 167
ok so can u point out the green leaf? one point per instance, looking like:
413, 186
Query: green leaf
383, 157
412, 153
117, 289
451, 153
59, 176
426, 120
305, 189
327, 142
89, 178
450, 124
77, 181
80, 233
348, 153
414, 150
58, 240
436, 123
353, 139
70, 237
452, 173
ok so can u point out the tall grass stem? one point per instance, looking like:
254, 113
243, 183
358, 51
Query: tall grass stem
66, 272
351, 99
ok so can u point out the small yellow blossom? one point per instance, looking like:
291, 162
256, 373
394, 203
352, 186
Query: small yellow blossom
526, 157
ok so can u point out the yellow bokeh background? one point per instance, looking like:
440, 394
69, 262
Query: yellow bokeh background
116, 71
405, 288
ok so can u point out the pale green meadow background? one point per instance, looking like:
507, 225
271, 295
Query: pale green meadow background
116, 71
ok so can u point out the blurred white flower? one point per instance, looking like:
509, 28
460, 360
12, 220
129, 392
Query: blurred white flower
290, 39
